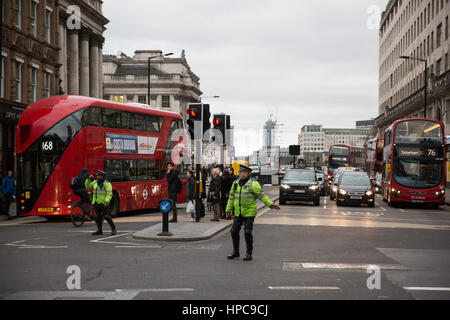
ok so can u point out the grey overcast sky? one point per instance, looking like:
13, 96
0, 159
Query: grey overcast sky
304, 62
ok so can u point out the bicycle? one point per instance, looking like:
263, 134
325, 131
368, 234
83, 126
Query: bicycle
78, 214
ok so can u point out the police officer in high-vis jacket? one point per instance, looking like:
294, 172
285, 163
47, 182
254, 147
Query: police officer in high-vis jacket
101, 198
242, 202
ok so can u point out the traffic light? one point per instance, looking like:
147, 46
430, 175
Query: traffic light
219, 124
199, 113
294, 150
195, 114
228, 130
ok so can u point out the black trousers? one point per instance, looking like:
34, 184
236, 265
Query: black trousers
8, 200
173, 197
101, 214
248, 232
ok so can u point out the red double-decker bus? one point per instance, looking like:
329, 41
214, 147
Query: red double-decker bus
414, 157
374, 162
59, 136
342, 156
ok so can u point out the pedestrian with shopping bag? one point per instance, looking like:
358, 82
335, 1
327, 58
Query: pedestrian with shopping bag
190, 194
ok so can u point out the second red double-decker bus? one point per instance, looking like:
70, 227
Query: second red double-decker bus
414, 157
374, 162
59, 136
342, 155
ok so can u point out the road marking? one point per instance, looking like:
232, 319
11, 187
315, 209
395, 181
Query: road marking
304, 288
426, 289
20, 245
300, 266
138, 246
157, 290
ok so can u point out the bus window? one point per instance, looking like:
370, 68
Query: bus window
113, 169
127, 121
127, 170
152, 124
111, 118
139, 122
92, 117
154, 172
141, 170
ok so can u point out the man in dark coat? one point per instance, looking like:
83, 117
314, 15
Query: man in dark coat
173, 180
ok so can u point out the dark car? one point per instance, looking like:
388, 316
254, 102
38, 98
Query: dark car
355, 188
324, 183
300, 185
334, 186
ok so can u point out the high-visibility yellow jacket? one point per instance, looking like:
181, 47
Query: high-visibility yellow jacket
243, 199
101, 195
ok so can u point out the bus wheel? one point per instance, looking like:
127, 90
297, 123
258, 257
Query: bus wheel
115, 205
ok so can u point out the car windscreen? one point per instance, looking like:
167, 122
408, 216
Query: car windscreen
355, 180
297, 175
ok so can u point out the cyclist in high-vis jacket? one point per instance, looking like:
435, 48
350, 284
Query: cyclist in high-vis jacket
242, 202
101, 197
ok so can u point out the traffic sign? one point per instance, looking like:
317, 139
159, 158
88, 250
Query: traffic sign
165, 206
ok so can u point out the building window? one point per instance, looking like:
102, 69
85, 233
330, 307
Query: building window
142, 99
34, 6
438, 35
166, 101
2, 79
48, 20
18, 14
34, 83
446, 28
438, 67
48, 84
19, 81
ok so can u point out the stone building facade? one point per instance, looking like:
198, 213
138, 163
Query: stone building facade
81, 53
29, 65
417, 29
173, 84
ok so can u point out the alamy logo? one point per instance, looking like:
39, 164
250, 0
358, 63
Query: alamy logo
374, 281
74, 280
373, 22
74, 19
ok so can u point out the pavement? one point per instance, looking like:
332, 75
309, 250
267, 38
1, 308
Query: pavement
187, 231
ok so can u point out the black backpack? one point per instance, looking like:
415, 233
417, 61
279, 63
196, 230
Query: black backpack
76, 183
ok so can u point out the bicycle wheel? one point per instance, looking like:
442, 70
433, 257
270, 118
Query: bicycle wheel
77, 216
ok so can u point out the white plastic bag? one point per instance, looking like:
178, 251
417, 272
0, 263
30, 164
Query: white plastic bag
190, 207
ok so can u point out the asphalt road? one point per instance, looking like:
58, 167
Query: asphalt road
301, 252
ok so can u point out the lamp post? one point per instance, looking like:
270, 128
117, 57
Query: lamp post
425, 80
150, 58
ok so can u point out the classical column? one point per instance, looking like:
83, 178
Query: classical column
74, 85
63, 58
100, 70
94, 69
84, 64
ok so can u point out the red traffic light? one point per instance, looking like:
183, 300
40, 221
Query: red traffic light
216, 122
192, 113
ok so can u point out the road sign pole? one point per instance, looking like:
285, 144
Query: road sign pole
165, 206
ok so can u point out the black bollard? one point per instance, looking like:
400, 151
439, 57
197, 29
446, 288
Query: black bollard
165, 206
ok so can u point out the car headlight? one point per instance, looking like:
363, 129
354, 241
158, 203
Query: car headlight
335, 189
285, 186
314, 188
369, 193
343, 192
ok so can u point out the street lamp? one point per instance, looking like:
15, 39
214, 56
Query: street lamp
425, 80
211, 97
150, 58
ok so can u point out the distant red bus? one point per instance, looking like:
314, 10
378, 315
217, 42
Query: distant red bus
342, 155
59, 136
415, 162
374, 161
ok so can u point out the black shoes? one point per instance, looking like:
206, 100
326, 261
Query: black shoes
113, 232
248, 257
234, 255
173, 221
98, 233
